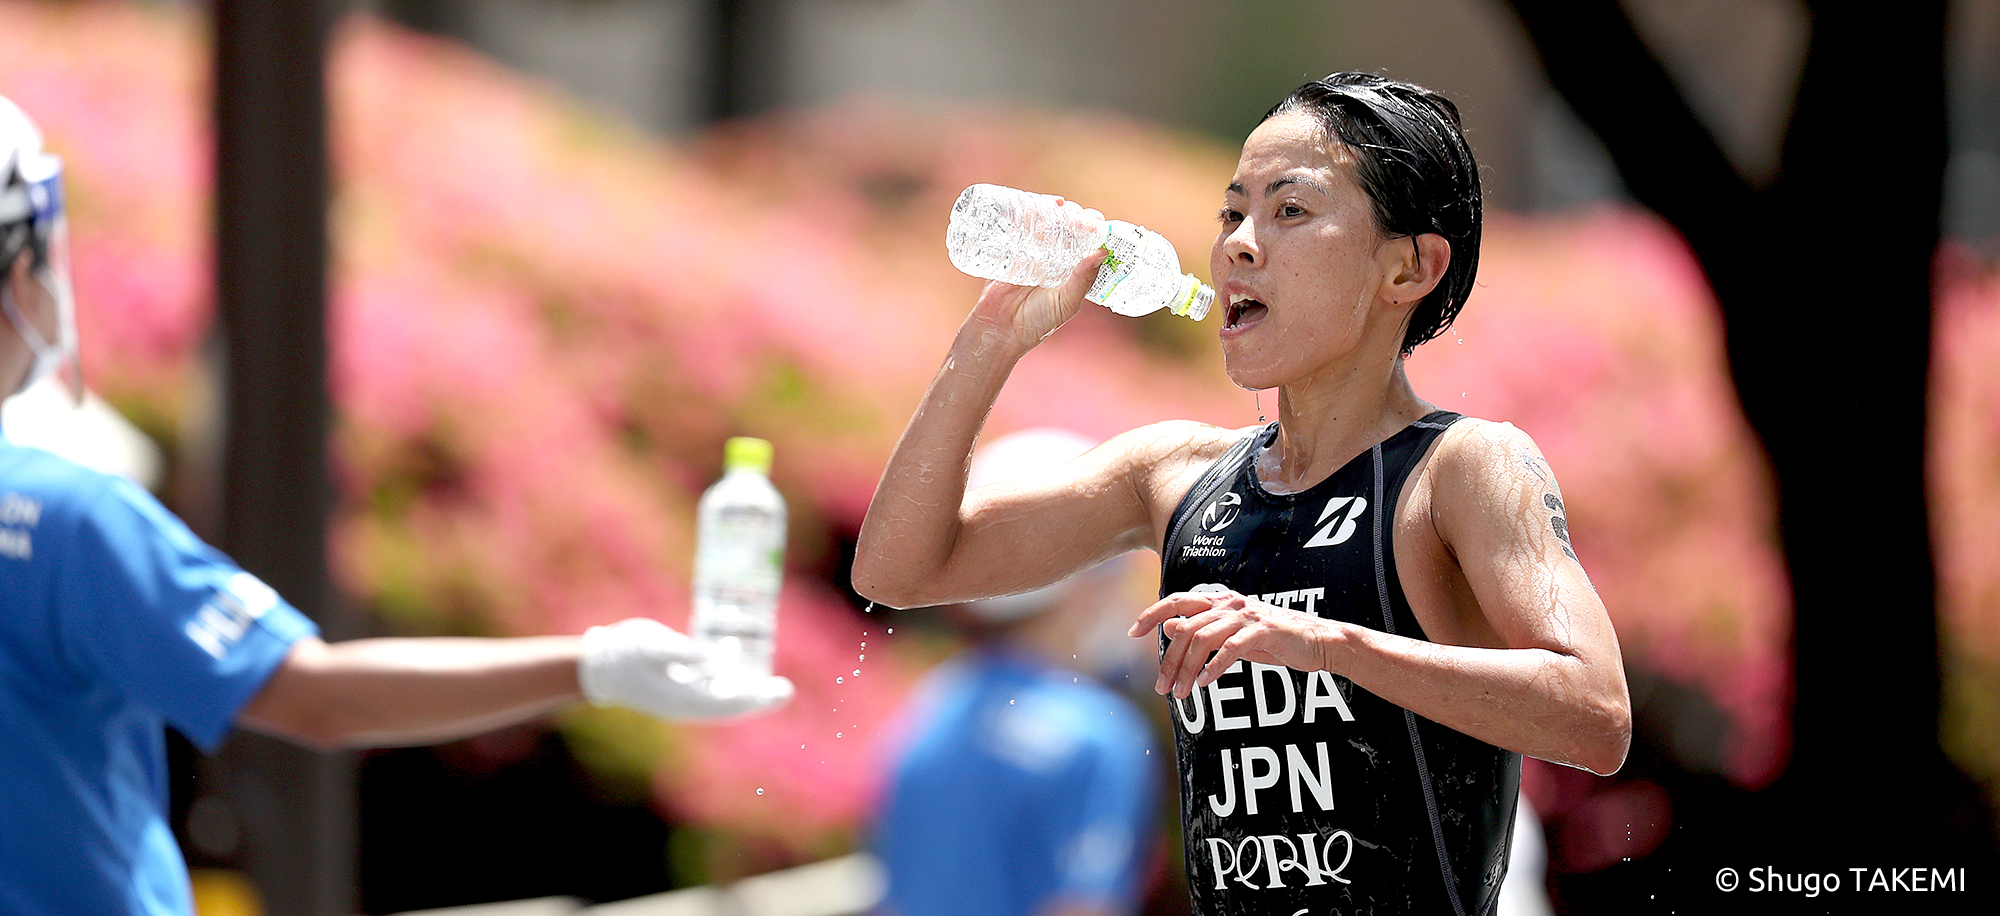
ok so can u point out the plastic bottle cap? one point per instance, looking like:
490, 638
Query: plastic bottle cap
1196, 300
746, 453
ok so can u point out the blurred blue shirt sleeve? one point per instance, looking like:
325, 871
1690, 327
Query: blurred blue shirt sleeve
168, 622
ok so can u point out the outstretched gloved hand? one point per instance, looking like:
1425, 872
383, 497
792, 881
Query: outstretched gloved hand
643, 664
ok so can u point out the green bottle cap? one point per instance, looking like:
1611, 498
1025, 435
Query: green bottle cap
746, 453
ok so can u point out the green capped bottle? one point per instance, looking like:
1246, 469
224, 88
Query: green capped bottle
739, 561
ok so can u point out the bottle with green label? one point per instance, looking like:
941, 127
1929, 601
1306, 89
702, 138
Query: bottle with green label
1030, 239
739, 561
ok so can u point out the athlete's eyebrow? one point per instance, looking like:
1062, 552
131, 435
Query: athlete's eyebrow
1273, 187
1236, 187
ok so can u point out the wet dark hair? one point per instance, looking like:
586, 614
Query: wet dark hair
1416, 168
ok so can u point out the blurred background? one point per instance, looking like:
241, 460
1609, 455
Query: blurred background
508, 272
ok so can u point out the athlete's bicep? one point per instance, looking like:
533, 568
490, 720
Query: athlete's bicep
1500, 512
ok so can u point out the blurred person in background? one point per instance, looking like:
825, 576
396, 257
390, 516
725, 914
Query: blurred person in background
1021, 786
1370, 608
116, 623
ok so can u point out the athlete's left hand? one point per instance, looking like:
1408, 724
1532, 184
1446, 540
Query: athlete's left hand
1231, 626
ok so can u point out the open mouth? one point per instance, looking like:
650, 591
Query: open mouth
1243, 311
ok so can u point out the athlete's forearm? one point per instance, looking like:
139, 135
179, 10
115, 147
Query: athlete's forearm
1564, 705
1543, 703
913, 522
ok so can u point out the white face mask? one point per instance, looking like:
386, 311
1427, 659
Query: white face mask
51, 273
49, 356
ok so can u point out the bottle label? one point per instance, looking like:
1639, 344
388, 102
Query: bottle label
740, 556
1126, 243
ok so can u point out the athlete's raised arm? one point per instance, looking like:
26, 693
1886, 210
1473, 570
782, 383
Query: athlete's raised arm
926, 541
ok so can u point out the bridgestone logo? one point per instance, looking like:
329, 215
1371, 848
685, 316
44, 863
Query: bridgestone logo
1339, 518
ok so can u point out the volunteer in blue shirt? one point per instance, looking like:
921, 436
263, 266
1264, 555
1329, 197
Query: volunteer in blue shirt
116, 622
1021, 785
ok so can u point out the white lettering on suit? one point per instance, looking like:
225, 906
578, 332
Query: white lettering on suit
1300, 774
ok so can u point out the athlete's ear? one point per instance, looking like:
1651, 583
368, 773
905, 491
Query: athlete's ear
1412, 266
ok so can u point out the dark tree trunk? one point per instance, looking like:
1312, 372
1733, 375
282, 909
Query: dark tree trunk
745, 42
295, 807
1824, 280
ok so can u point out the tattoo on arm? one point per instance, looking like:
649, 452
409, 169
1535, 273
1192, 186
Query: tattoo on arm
1540, 469
1560, 524
1538, 466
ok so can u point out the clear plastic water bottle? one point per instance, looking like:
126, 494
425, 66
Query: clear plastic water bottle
739, 561
1029, 239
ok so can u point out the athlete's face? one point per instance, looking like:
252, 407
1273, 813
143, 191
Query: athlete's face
1299, 262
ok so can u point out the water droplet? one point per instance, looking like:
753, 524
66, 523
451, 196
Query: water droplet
870, 609
837, 734
864, 645
861, 658
892, 629
840, 680
760, 790
803, 747
857, 672
1010, 702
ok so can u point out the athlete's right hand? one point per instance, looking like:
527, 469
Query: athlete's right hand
1210, 627
1022, 316
646, 665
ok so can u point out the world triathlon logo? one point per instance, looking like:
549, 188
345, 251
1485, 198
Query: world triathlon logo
1222, 513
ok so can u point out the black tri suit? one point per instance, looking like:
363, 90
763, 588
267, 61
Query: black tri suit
1302, 793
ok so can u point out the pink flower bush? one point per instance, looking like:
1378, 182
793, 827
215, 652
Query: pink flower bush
117, 91
1965, 504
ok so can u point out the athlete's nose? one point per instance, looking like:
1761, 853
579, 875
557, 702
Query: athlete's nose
1235, 249
1238, 245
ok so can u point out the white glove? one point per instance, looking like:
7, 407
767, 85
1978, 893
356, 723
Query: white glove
643, 664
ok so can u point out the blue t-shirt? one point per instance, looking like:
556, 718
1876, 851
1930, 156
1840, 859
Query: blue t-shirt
1021, 785
115, 622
